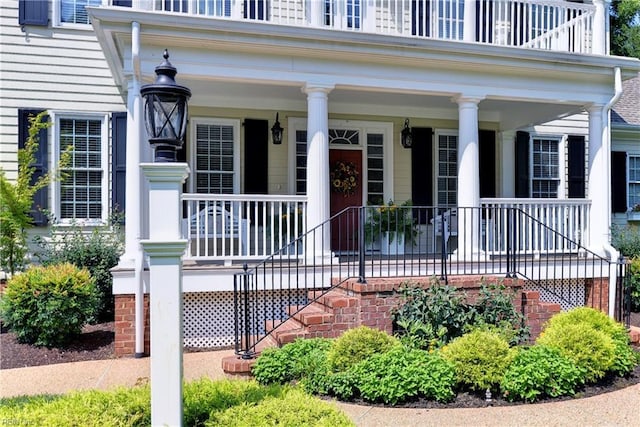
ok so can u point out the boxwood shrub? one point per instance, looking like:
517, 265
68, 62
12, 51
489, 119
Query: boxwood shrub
48, 306
356, 345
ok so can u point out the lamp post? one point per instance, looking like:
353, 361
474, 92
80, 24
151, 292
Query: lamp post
165, 119
165, 111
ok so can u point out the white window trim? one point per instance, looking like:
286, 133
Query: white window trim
195, 121
562, 166
54, 159
56, 17
436, 166
365, 127
627, 179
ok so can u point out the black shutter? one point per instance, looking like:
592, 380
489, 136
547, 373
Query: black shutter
487, 160
41, 198
484, 18
118, 161
421, 172
522, 164
33, 12
256, 155
618, 181
122, 3
576, 166
420, 22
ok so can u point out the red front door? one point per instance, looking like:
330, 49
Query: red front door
344, 230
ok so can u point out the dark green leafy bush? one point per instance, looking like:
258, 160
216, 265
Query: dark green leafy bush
401, 374
633, 282
356, 345
626, 239
624, 357
538, 372
590, 349
480, 358
291, 362
48, 306
431, 317
97, 250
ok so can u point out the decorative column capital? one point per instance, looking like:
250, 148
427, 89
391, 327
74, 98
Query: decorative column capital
165, 172
313, 88
595, 108
467, 101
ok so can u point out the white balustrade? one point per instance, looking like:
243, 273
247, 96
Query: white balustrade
538, 24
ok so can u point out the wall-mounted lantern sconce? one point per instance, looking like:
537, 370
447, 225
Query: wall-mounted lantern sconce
405, 136
276, 132
165, 111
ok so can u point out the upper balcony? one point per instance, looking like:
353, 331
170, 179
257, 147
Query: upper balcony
557, 25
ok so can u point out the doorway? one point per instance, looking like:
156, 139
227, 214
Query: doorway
344, 164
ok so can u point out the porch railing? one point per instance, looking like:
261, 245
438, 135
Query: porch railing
415, 241
540, 24
236, 226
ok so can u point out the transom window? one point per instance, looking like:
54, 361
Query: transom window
634, 180
447, 180
545, 171
215, 158
82, 193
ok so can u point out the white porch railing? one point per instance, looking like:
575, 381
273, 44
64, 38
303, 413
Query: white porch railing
238, 226
569, 218
540, 24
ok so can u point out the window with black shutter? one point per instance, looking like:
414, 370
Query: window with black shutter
33, 12
619, 181
41, 198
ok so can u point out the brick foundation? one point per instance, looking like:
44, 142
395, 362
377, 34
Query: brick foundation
125, 325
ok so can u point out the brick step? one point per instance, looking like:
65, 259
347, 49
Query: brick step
236, 365
287, 331
311, 315
333, 299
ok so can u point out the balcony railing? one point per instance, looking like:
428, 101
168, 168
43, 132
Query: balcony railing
539, 24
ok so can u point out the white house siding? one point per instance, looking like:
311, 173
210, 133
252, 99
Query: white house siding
53, 68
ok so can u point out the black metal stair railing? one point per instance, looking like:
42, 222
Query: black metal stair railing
413, 241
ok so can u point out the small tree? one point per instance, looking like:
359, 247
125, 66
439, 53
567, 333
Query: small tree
16, 199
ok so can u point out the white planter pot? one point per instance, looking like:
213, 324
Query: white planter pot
392, 245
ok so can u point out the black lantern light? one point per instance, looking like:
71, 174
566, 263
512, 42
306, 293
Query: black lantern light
406, 139
165, 111
276, 132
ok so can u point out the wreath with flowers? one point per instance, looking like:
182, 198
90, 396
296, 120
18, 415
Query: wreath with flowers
344, 178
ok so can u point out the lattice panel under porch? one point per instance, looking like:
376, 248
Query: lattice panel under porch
208, 316
569, 293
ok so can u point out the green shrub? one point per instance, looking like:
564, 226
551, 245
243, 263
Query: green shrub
540, 371
626, 239
48, 306
401, 374
98, 251
293, 409
430, 317
480, 358
624, 358
633, 282
495, 307
357, 344
591, 350
291, 362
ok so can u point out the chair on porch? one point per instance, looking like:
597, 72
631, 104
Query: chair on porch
201, 225
446, 230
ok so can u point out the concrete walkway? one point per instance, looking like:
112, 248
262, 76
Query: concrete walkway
619, 408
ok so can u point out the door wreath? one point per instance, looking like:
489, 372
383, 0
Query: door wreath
344, 178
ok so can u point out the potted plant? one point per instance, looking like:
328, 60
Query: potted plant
391, 225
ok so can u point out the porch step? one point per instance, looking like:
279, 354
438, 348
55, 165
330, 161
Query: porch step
333, 299
288, 331
311, 315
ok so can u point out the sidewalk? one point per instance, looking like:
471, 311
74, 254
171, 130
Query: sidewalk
619, 408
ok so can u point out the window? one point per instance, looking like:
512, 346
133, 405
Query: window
634, 180
347, 15
545, 170
215, 157
447, 180
74, 12
375, 169
82, 195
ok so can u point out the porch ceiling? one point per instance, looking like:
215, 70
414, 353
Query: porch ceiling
260, 66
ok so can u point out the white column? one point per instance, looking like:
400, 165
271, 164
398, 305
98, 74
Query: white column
507, 164
165, 249
468, 178
318, 167
598, 182
132, 219
600, 37
316, 15
469, 29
